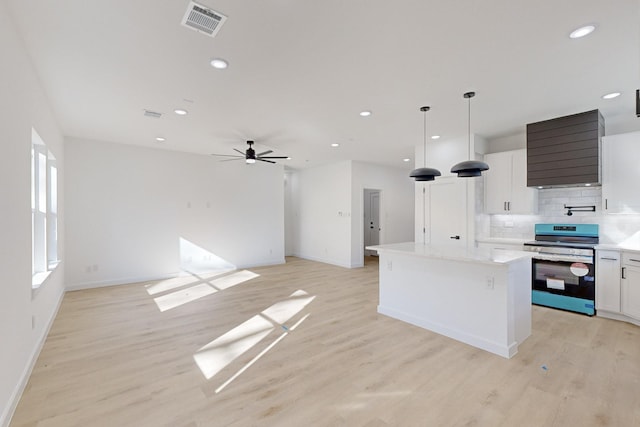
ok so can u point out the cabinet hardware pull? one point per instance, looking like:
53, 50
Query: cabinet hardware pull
623, 272
504, 206
508, 206
606, 204
634, 260
610, 259
455, 237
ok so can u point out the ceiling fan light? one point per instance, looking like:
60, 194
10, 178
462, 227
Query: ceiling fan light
250, 161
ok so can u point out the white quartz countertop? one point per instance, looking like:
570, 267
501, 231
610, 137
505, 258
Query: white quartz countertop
626, 247
477, 255
502, 240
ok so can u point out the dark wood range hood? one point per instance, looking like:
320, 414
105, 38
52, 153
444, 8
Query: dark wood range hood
565, 152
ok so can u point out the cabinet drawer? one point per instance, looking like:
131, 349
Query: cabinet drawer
630, 259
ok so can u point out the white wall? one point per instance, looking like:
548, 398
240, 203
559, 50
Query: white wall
289, 229
23, 105
128, 207
322, 213
396, 206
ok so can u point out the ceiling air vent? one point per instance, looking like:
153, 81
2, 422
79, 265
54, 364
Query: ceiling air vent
149, 113
202, 19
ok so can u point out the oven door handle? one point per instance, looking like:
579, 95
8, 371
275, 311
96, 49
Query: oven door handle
567, 258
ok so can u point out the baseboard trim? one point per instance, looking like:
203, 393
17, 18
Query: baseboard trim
122, 281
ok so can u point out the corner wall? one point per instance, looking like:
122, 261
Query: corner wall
132, 210
25, 317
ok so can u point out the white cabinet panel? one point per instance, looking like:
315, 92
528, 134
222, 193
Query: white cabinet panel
620, 173
630, 284
506, 188
608, 281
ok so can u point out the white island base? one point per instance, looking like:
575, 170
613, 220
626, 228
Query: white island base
480, 297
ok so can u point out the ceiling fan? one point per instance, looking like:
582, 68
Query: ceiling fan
250, 155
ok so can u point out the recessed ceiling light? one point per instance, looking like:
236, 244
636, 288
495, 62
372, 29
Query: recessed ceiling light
180, 112
611, 95
335, 145
435, 137
365, 113
582, 31
587, 185
219, 63
406, 160
160, 139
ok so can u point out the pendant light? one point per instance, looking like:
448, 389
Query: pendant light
469, 168
424, 173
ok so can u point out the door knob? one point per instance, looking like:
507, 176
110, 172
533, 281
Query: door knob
455, 237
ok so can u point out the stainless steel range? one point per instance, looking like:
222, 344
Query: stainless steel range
563, 270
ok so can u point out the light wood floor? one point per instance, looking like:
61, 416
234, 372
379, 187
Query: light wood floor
114, 359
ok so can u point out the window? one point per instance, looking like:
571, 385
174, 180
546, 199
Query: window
44, 211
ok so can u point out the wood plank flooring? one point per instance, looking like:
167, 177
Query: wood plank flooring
113, 358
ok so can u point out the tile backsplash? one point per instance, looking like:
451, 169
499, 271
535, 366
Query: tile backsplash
614, 228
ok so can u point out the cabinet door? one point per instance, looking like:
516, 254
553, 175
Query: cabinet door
608, 281
620, 173
523, 200
497, 182
631, 291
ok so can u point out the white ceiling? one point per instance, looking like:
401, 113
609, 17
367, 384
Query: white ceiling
301, 71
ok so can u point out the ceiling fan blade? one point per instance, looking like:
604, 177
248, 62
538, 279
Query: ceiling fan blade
241, 152
262, 160
227, 155
231, 160
273, 157
263, 153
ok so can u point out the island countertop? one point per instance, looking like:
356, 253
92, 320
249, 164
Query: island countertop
476, 255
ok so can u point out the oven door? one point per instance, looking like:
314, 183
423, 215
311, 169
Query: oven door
564, 277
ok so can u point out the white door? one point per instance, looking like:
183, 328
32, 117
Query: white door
371, 219
447, 208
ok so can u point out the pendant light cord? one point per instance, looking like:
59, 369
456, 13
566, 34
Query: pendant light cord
425, 139
469, 127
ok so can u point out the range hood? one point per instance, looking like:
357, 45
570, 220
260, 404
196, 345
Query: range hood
565, 152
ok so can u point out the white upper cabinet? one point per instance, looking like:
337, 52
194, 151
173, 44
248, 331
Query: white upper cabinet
621, 173
505, 184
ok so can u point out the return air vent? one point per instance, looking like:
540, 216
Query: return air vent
155, 115
203, 20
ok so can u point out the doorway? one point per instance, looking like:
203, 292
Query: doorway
371, 208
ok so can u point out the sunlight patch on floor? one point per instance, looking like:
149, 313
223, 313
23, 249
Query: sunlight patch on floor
216, 355
198, 290
262, 353
181, 281
184, 296
219, 353
233, 279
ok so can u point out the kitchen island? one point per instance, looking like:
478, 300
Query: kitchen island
481, 297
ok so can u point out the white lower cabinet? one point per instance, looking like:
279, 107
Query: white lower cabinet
630, 285
608, 281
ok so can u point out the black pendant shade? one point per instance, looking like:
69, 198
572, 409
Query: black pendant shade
469, 168
425, 173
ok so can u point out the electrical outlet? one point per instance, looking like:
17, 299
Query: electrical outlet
490, 283
390, 265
